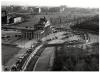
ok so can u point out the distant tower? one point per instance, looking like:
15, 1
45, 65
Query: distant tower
39, 10
62, 8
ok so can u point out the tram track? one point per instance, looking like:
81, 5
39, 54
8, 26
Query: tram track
29, 58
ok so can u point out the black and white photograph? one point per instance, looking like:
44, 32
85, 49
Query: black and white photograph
49, 35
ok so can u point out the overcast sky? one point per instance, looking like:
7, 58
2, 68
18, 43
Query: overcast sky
69, 3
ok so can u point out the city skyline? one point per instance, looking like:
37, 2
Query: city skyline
50, 3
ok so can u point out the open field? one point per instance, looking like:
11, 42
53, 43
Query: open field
8, 51
70, 58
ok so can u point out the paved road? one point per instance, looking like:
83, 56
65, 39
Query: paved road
45, 61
